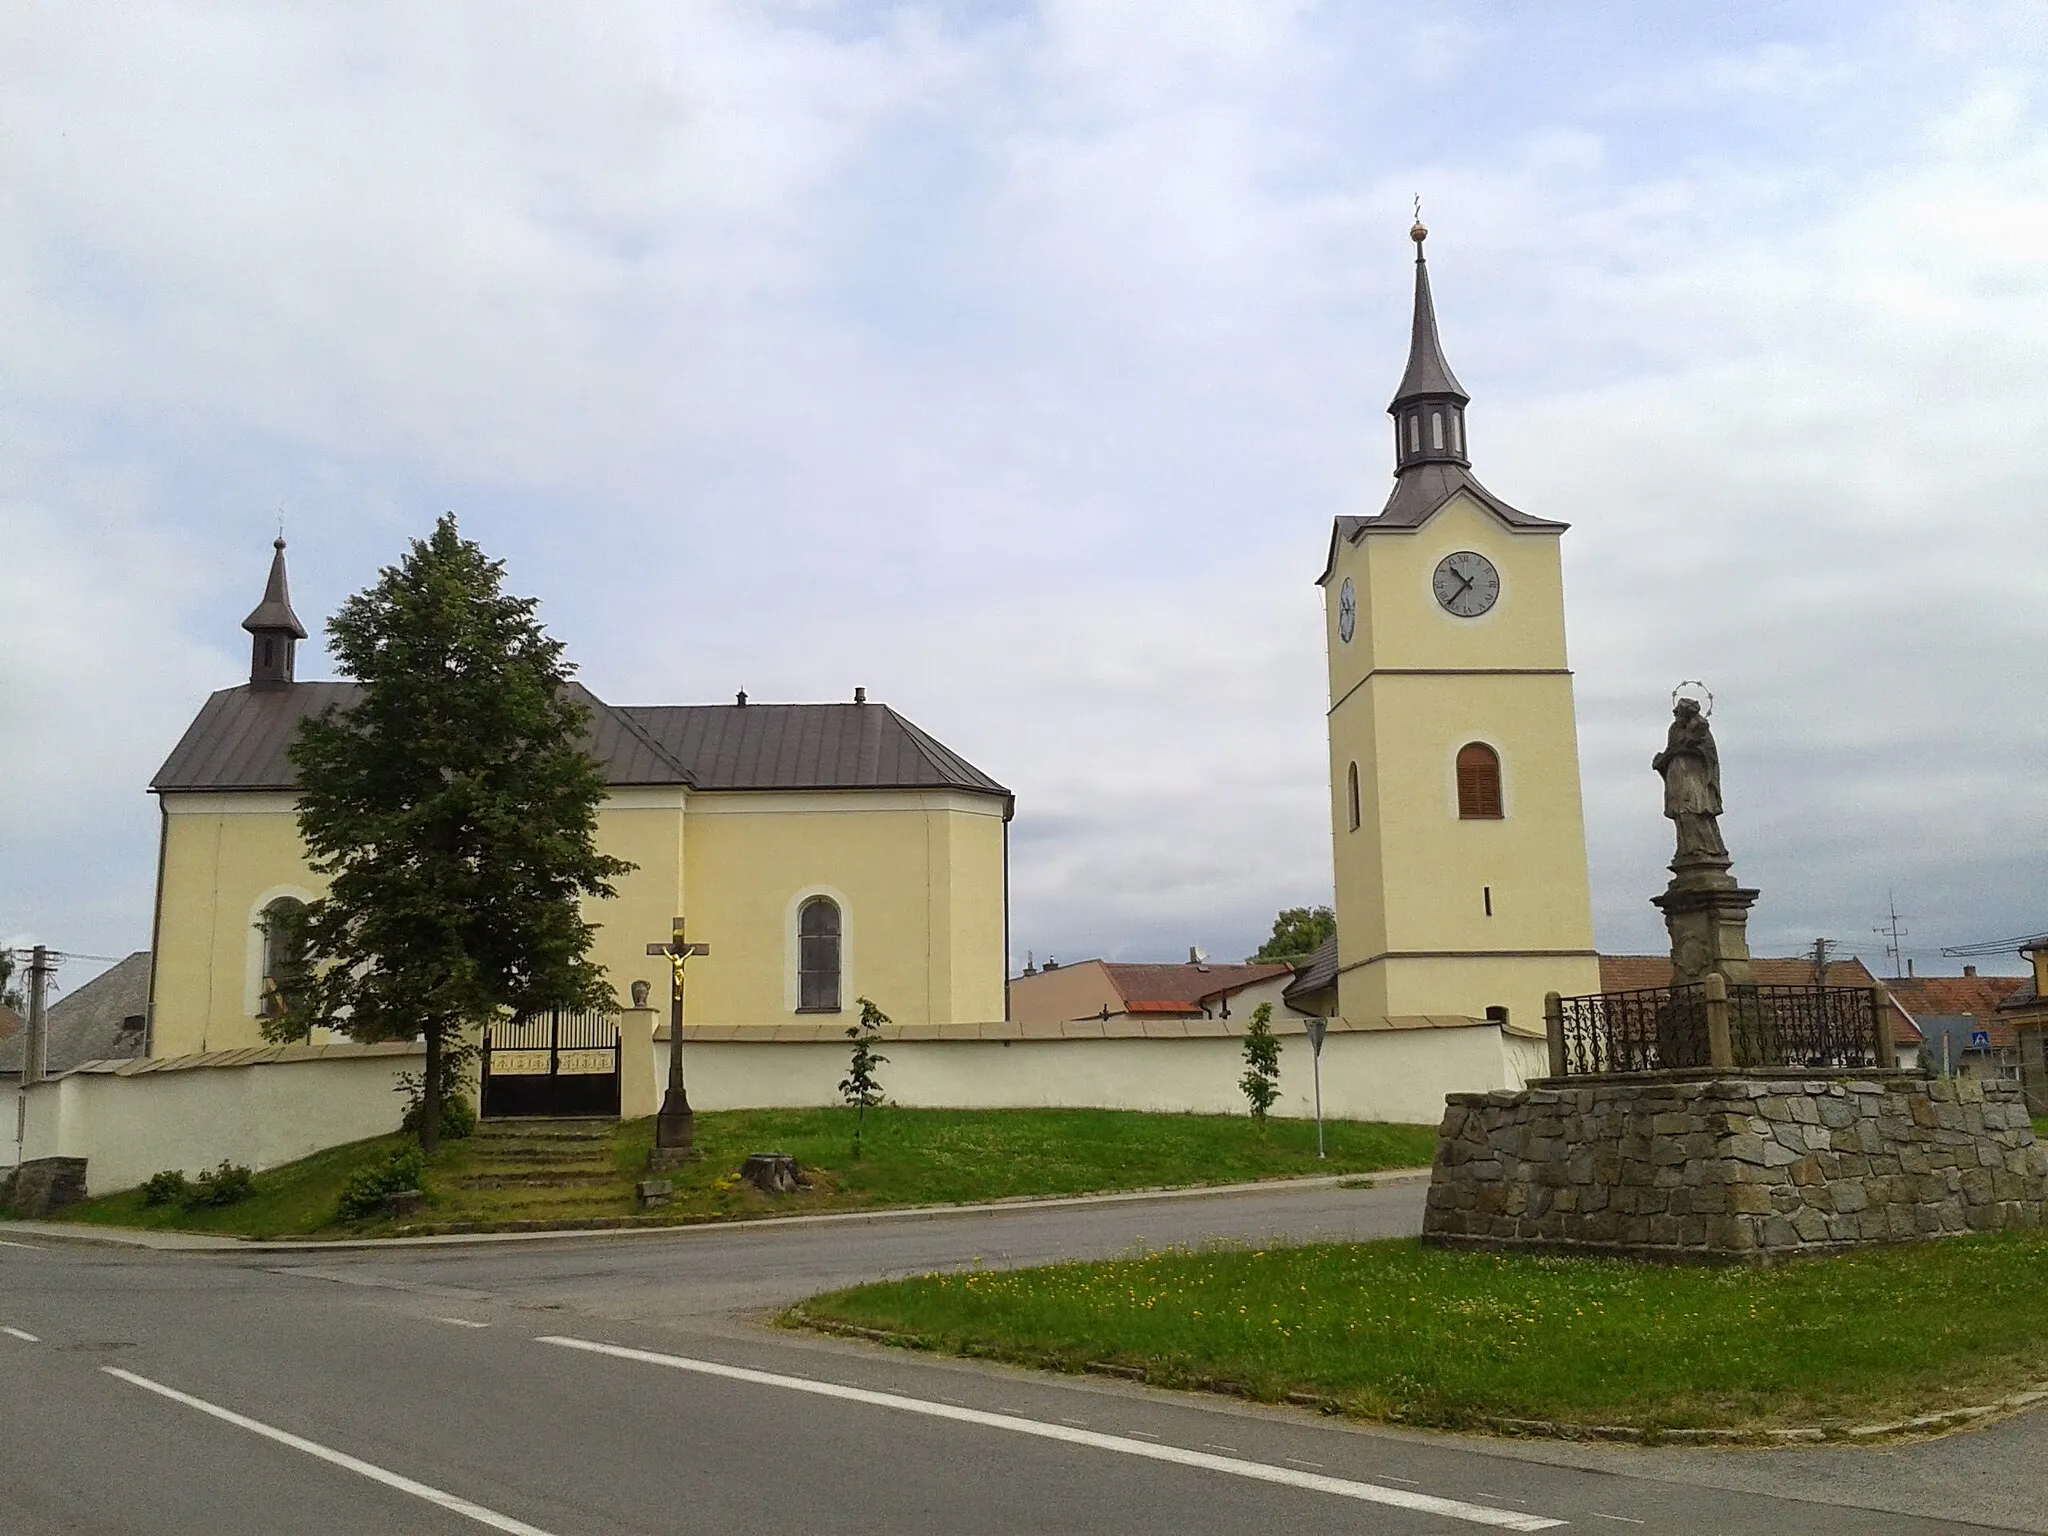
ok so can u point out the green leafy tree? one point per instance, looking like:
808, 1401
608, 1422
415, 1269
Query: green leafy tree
859, 1087
453, 809
1296, 933
1261, 1080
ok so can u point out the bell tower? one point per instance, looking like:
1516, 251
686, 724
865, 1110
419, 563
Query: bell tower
1458, 831
274, 630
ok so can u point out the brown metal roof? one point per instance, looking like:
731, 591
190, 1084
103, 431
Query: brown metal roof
239, 739
1315, 973
806, 746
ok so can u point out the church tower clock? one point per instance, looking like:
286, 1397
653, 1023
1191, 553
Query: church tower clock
1459, 833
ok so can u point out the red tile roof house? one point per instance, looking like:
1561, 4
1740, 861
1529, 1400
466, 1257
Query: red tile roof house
1958, 1009
1105, 990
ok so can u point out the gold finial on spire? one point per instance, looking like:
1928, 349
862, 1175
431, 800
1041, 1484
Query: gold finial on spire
1418, 233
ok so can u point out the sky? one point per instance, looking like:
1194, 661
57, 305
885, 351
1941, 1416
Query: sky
1011, 361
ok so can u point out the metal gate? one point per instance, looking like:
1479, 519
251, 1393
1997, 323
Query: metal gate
563, 1063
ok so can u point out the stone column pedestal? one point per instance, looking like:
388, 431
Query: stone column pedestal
1707, 915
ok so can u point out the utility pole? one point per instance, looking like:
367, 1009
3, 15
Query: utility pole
1820, 960
33, 1053
1894, 931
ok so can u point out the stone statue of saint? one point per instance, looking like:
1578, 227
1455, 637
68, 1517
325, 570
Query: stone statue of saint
1691, 766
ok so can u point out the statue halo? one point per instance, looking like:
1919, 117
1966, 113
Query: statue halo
1706, 708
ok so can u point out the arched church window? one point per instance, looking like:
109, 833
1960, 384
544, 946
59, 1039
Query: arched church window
1478, 782
817, 928
1352, 787
1436, 430
1457, 435
283, 955
1415, 431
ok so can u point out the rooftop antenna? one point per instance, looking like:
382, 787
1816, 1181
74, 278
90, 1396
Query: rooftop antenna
1893, 931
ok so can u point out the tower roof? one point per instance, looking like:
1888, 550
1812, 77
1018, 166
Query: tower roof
1428, 375
274, 614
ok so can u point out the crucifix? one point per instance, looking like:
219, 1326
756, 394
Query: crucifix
675, 1128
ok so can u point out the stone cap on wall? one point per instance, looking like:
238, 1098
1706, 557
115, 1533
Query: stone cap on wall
1120, 1028
246, 1056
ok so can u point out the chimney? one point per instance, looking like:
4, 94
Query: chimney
740, 698
1969, 970
860, 695
1909, 967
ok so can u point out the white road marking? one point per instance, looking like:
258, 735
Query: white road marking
31, 1247
376, 1474
1372, 1493
1211, 1445
1628, 1519
1313, 1466
16, 1333
461, 1322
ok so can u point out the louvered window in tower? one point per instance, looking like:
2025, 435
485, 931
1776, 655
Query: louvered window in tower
1478, 783
817, 929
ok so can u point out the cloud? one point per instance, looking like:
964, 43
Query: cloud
1012, 362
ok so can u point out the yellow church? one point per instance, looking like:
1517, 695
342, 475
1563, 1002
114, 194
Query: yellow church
823, 851
1458, 829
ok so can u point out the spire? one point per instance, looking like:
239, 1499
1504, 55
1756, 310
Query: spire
1429, 407
275, 628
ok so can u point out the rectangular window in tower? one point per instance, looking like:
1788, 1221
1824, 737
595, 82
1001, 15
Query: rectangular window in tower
1457, 435
1353, 785
1436, 429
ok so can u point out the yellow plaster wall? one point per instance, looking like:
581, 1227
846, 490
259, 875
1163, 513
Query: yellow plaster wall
919, 881
1413, 686
225, 857
919, 878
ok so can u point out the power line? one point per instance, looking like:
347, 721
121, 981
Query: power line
1999, 946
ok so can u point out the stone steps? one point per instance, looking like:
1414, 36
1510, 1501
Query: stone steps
545, 1178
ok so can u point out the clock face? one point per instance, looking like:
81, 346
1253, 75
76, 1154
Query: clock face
1347, 611
1466, 584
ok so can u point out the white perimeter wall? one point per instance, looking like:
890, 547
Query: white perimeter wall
129, 1127
1397, 1075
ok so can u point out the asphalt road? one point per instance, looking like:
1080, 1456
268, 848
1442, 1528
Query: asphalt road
625, 1384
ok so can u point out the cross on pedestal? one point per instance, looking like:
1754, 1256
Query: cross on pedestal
675, 1128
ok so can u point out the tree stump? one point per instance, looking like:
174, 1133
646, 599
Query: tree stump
402, 1202
773, 1173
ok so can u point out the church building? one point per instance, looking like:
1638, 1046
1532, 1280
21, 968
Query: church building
1460, 845
824, 852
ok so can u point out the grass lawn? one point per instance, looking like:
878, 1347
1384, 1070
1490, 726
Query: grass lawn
909, 1157
290, 1201
1393, 1330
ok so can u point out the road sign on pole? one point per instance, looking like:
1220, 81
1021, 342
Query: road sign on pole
1317, 1028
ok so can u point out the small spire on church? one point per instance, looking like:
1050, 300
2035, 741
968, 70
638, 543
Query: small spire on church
1429, 407
274, 629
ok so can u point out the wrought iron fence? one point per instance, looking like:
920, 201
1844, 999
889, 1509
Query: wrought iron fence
1665, 1028
1644, 1031
1804, 1026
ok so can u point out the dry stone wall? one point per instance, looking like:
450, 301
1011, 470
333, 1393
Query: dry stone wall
1752, 1167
